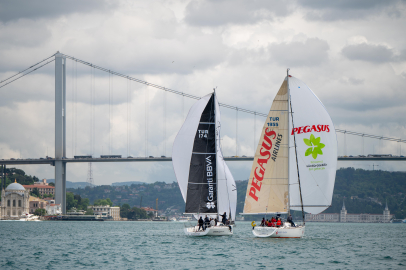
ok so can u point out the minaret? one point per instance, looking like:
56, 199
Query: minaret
386, 213
343, 214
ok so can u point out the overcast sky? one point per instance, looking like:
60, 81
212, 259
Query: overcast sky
352, 54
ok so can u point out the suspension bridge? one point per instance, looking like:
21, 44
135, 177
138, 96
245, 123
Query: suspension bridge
61, 157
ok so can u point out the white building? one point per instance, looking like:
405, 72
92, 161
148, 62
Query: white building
53, 209
345, 217
14, 201
107, 211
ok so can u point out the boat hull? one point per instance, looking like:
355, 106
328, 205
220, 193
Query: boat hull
283, 232
210, 231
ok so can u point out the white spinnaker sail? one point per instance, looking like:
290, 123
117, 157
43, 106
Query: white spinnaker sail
183, 144
227, 191
316, 143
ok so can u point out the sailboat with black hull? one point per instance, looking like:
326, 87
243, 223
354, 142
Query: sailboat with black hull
295, 162
206, 183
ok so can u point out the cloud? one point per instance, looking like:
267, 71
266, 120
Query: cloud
216, 13
11, 10
319, 10
369, 53
311, 52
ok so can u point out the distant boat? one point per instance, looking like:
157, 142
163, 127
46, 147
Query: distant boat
206, 183
29, 217
295, 161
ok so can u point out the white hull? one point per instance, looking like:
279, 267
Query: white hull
210, 231
282, 232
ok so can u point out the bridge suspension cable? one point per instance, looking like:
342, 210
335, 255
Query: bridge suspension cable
158, 86
22, 72
370, 136
112, 73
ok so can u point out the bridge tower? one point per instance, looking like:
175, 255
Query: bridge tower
60, 130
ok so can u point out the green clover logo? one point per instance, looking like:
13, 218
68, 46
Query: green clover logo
315, 146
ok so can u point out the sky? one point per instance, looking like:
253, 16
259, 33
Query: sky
352, 54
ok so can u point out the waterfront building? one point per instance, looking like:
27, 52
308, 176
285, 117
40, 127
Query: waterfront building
36, 203
42, 189
345, 217
53, 209
14, 201
107, 211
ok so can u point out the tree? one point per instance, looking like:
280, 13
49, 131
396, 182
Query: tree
89, 211
51, 184
40, 212
70, 201
35, 192
124, 210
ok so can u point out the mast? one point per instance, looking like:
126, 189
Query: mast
215, 149
287, 79
294, 142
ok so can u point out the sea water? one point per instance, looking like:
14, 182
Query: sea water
163, 245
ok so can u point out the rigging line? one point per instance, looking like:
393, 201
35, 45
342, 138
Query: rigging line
255, 126
76, 106
127, 118
94, 110
164, 142
73, 102
27, 73
183, 107
27, 68
109, 115
112, 113
146, 121
90, 114
236, 132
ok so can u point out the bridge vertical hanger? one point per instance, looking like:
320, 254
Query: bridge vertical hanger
60, 130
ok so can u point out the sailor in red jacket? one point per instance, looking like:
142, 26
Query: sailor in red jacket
278, 223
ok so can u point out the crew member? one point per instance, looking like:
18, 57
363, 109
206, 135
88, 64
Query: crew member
201, 223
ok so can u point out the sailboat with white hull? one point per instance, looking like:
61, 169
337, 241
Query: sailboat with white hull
295, 162
206, 183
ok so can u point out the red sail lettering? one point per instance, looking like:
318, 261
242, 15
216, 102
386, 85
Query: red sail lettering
265, 153
252, 193
306, 129
257, 176
328, 129
314, 128
255, 184
262, 161
270, 133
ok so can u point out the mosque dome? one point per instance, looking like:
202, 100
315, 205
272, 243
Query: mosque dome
15, 186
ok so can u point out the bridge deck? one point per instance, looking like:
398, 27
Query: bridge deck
160, 159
